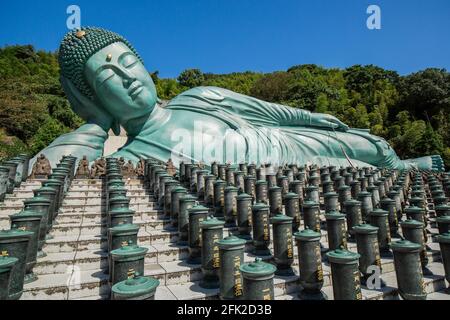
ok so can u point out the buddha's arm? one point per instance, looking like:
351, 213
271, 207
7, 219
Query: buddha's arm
253, 110
87, 140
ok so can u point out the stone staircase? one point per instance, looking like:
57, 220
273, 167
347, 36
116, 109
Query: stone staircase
75, 265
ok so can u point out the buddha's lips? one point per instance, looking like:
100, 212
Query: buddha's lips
134, 89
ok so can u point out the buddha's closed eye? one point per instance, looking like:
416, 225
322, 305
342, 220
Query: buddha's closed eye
129, 61
104, 76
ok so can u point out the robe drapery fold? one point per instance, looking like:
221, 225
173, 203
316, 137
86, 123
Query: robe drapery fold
266, 132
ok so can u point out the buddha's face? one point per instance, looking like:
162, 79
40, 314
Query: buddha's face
121, 82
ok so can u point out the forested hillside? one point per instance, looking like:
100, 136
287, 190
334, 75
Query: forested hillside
33, 107
412, 112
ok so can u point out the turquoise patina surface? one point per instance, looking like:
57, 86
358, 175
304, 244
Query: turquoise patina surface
108, 86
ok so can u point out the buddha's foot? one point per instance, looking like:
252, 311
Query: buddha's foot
433, 163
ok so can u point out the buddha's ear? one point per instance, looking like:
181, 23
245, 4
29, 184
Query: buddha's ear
86, 108
81, 105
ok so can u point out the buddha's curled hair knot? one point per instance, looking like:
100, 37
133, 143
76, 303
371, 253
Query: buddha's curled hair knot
78, 46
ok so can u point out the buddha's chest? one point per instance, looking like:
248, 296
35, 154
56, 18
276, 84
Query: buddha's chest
195, 126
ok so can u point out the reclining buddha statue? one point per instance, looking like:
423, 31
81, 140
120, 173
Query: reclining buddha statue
107, 85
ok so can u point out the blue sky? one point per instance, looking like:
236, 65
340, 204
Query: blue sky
223, 36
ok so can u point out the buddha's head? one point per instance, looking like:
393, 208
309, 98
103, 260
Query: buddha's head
104, 78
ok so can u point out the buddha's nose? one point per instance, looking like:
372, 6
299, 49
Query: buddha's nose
128, 79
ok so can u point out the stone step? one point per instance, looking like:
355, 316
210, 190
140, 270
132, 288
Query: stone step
70, 200
91, 182
86, 242
193, 291
22, 195
93, 250
87, 182
151, 221
163, 293
154, 216
95, 282
79, 187
85, 260
434, 286
182, 282
81, 203
93, 259
77, 193
154, 228
99, 228
440, 295
99, 187
63, 286
97, 217
139, 206
91, 286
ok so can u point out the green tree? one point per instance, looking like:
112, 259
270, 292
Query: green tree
191, 78
241, 82
426, 93
155, 76
430, 142
272, 87
10, 146
408, 144
49, 131
322, 103
168, 88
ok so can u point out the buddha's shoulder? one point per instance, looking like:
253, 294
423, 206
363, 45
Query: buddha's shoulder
208, 92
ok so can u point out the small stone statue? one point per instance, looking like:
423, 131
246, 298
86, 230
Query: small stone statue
41, 168
280, 171
83, 171
128, 169
121, 163
201, 165
98, 169
140, 167
171, 169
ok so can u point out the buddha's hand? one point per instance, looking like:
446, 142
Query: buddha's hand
323, 120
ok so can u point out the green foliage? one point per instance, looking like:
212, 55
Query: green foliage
272, 87
168, 88
191, 78
426, 92
59, 109
430, 142
446, 156
407, 142
18, 61
10, 146
241, 82
49, 131
33, 107
322, 103
411, 112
